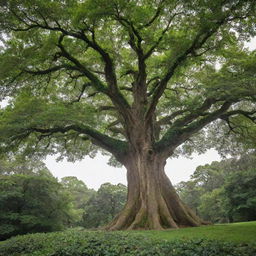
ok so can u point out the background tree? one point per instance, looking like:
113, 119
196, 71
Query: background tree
137, 79
79, 196
31, 204
212, 206
20, 164
223, 191
203, 192
31, 198
190, 193
103, 206
240, 195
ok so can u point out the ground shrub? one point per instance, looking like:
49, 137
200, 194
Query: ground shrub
90, 243
31, 204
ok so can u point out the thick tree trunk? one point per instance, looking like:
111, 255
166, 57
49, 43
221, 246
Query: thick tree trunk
152, 202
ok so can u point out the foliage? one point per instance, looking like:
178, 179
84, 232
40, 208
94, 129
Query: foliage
103, 206
190, 193
223, 191
79, 195
20, 164
84, 71
30, 204
240, 195
139, 80
212, 206
78, 243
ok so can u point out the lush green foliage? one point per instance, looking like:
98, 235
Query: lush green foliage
31, 199
74, 70
103, 206
223, 191
20, 164
79, 195
240, 194
92, 209
31, 204
140, 80
80, 243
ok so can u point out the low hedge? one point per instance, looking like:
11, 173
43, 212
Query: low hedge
95, 243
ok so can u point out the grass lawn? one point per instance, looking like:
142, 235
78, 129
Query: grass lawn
242, 232
238, 239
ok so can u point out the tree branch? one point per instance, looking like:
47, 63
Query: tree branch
107, 108
114, 146
177, 135
195, 113
167, 119
49, 70
84, 86
136, 44
202, 36
157, 14
247, 114
151, 50
115, 95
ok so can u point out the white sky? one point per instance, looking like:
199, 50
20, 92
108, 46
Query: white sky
252, 44
96, 171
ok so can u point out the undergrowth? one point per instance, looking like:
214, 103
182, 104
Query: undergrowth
96, 243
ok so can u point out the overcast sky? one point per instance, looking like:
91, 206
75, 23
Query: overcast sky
96, 171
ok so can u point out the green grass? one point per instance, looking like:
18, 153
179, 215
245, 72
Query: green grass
242, 232
217, 240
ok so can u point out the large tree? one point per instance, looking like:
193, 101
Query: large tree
139, 79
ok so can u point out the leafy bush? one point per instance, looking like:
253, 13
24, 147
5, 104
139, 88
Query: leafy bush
84, 243
30, 204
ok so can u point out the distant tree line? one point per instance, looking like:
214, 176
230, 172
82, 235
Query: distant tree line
223, 191
33, 200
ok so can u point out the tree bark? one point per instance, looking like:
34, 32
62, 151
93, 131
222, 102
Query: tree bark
152, 202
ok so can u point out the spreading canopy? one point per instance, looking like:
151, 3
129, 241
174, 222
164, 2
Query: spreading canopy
78, 74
